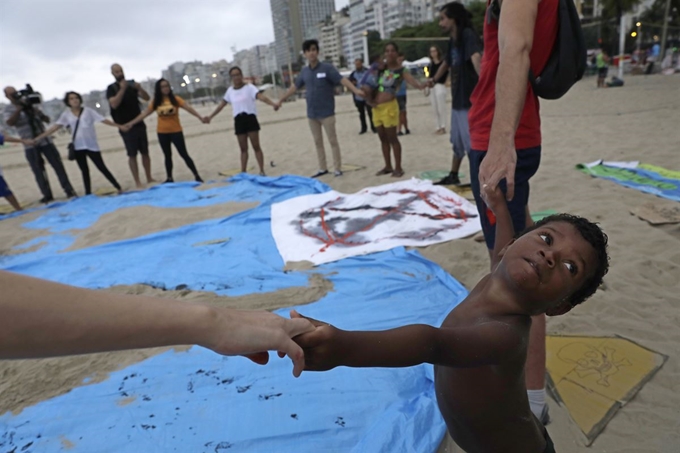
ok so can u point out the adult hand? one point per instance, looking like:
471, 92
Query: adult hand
276, 107
123, 84
205, 120
493, 197
322, 352
28, 142
252, 333
499, 164
125, 127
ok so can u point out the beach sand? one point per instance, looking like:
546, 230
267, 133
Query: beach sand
642, 295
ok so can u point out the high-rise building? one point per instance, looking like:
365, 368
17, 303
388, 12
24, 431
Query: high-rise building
292, 19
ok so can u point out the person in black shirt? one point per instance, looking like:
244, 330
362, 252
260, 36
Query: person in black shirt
123, 99
464, 58
356, 77
438, 95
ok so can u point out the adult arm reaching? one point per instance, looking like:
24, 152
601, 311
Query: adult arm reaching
515, 39
46, 319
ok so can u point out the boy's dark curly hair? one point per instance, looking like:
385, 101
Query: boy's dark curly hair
592, 233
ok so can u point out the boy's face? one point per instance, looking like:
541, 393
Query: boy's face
312, 54
548, 265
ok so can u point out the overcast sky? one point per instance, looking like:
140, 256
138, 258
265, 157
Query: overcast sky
62, 45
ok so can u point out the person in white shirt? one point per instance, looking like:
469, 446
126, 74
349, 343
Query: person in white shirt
242, 97
85, 140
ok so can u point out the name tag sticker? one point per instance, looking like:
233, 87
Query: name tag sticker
321, 75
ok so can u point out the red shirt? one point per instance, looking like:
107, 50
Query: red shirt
483, 99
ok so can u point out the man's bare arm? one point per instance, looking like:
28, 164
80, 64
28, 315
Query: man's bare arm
443, 68
515, 40
115, 100
142, 92
12, 120
288, 94
476, 59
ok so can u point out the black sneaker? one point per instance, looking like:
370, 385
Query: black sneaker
449, 180
198, 179
320, 173
169, 180
46, 200
408, 131
400, 134
71, 194
362, 132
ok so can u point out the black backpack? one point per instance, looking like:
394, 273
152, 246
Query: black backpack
568, 59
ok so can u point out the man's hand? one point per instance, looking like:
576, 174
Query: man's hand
123, 85
320, 345
205, 120
493, 197
276, 107
28, 141
499, 164
252, 333
125, 127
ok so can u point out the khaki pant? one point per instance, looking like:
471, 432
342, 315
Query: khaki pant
328, 124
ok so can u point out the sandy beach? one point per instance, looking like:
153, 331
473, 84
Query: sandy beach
640, 301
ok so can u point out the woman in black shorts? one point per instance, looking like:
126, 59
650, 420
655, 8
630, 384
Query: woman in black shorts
242, 97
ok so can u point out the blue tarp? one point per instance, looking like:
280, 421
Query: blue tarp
200, 401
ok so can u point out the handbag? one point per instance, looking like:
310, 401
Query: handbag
71, 146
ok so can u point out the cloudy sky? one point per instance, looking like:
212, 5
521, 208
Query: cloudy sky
61, 45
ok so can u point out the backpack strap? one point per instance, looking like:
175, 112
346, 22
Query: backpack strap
75, 130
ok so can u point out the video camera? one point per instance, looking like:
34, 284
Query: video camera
27, 96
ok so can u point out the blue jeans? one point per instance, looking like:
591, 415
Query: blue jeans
528, 161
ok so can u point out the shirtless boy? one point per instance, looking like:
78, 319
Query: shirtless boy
480, 349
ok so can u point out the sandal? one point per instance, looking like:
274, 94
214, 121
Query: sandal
398, 174
384, 171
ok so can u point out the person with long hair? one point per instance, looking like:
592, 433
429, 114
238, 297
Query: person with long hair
401, 100
438, 94
85, 138
242, 97
463, 61
388, 79
166, 105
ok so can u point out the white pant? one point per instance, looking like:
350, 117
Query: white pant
439, 105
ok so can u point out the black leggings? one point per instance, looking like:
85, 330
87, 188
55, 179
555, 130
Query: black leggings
96, 157
176, 138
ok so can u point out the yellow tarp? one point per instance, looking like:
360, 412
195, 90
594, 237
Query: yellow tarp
595, 376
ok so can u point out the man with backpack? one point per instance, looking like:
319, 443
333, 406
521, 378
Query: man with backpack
524, 57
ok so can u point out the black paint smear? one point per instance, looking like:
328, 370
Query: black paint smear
146, 398
269, 397
125, 394
151, 416
294, 416
26, 446
144, 381
200, 372
177, 408
227, 381
181, 287
243, 389
147, 427
190, 386
223, 446
340, 422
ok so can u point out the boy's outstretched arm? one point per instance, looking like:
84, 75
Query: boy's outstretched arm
505, 231
485, 344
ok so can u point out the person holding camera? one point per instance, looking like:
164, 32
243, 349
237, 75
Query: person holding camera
5, 192
81, 120
123, 96
27, 119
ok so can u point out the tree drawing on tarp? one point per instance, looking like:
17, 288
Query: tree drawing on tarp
339, 224
589, 360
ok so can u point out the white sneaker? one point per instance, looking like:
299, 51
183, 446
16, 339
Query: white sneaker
337, 173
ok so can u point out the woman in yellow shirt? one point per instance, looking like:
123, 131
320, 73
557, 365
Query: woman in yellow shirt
169, 129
